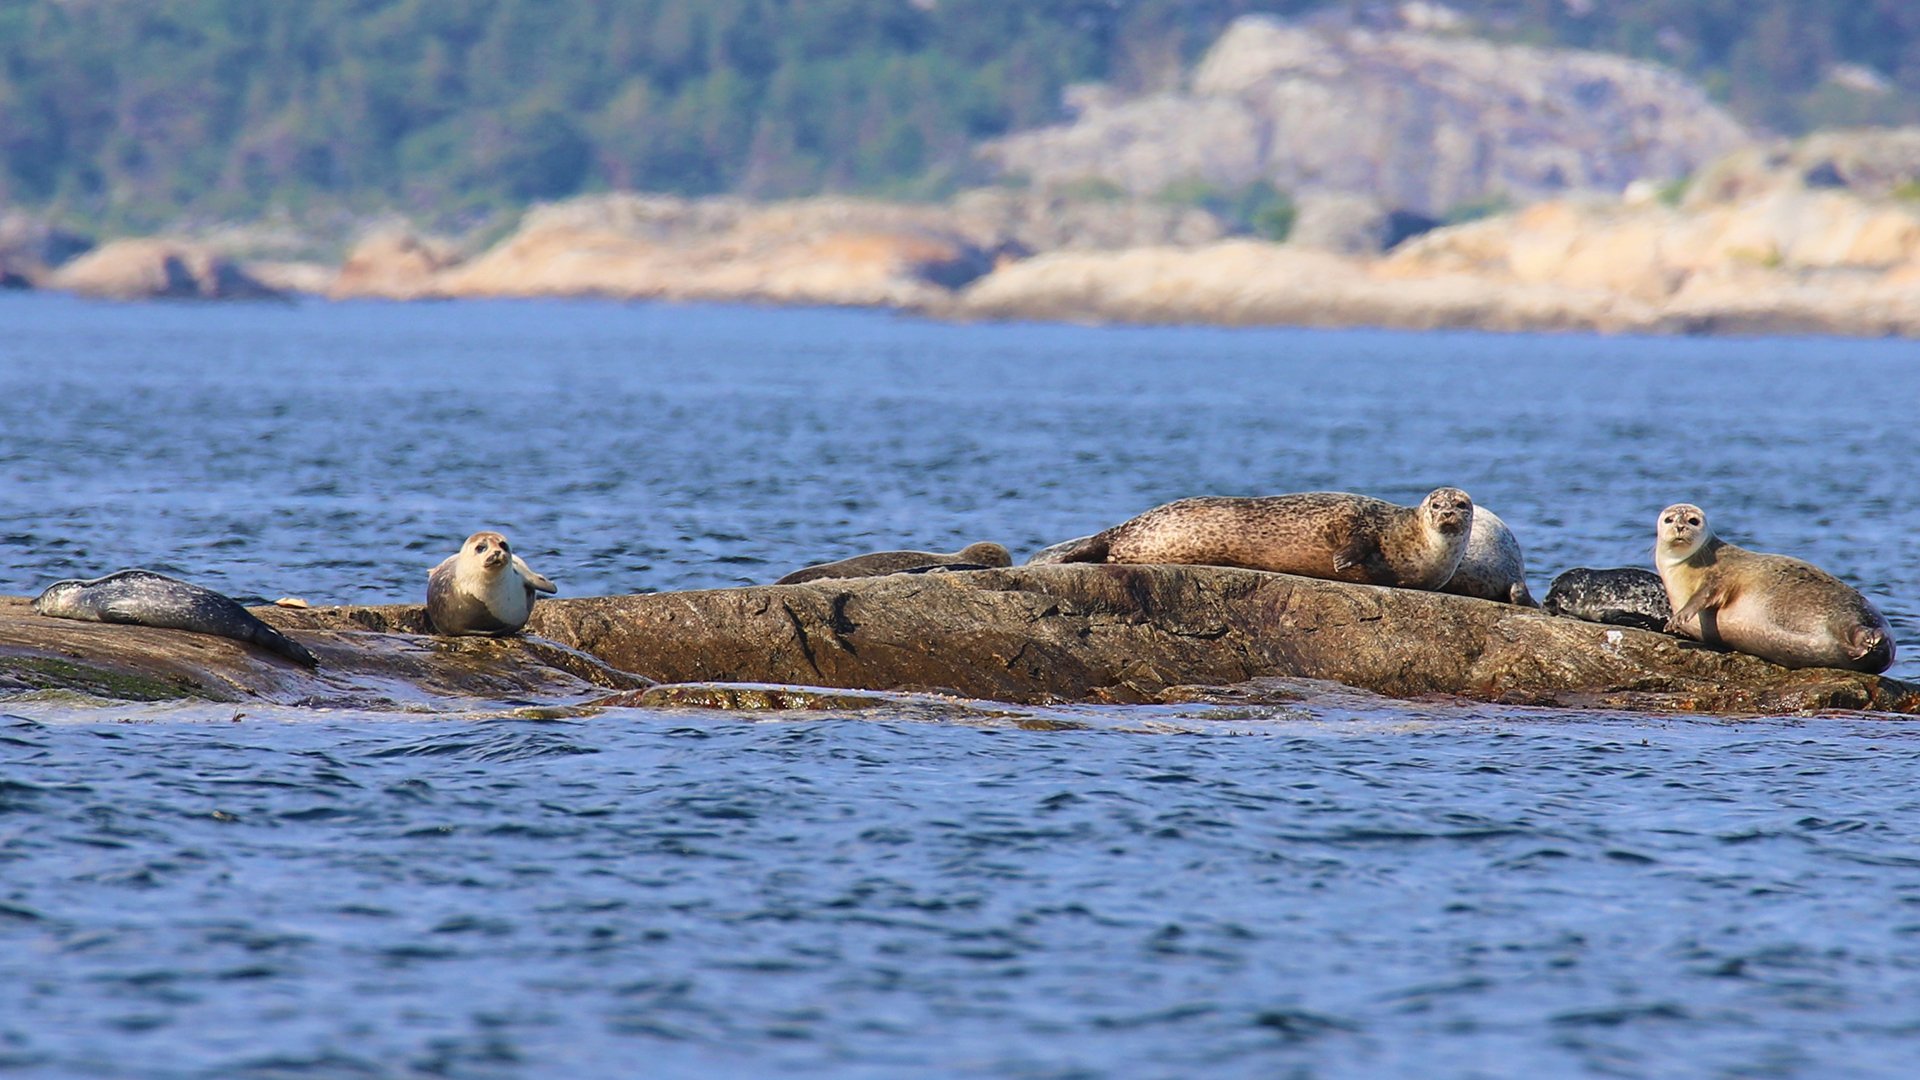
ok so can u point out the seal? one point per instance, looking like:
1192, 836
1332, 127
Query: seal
1623, 596
1771, 606
144, 598
1492, 567
1322, 534
979, 556
483, 589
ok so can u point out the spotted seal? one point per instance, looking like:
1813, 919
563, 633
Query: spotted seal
1771, 606
144, 598
483, 589
974, 556
1322, 534
1492, 567
1623, 596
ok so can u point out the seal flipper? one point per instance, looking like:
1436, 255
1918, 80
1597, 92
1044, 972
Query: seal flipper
1094, 549
535, 581
276, 642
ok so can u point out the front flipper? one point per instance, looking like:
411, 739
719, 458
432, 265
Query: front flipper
1700, 609
537, 582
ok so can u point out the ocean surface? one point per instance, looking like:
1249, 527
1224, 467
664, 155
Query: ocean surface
1433, 890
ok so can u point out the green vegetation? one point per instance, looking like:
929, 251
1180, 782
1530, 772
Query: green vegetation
1491, 206
129, 114
1674, 191
1257, 209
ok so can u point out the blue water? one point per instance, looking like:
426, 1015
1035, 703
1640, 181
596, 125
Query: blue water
1330, 890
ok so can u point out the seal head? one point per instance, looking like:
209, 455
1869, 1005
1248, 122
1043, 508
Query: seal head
484, 589
1771, 606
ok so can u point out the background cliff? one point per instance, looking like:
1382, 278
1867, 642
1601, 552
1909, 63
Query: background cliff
130, 116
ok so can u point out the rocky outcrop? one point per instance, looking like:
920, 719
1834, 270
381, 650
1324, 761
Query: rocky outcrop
30, 249
393, 264
157, 268
1033, 635
1416, 121
1791, 260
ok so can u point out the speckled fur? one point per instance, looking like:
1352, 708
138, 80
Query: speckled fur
880, 563
1492, 568
1771, 606
1323, 534
1622, 596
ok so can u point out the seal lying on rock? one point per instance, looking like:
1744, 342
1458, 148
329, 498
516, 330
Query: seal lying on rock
484, 589
144, 598
1322, 534
880, 563
1771, 606
1626, 596
1492, 567
1054, 553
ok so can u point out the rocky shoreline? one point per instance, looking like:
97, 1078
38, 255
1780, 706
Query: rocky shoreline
1027, 636
1822, 237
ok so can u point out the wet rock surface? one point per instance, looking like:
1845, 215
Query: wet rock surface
1030, 635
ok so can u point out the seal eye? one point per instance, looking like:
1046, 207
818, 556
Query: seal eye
481, 546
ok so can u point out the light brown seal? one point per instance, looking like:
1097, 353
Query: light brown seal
1322, 534
881, 563
1492, 568
1771, 606
484, 589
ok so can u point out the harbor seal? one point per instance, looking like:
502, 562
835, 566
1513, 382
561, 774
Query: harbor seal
1624, 596
1771, 606
483, 589
1322, 534
144, 598
979, 556
1492, 567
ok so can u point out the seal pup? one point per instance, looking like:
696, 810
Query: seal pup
144, 598
1771, 606
1322, 534
1492, 567
981, 556
483, 589
1624, 596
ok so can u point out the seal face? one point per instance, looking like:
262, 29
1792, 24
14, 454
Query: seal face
1771, 606
1492, 567
144, 598
1624, 596
1324, 534
483, 589
979, 556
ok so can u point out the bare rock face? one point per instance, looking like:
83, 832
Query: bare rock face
1034, 635
30, 249
158, 268
815, 251
1418, 122
1872, 163
393, 264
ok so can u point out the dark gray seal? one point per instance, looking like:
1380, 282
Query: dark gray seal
983, 555
144, 598
1624, 596
1322, 534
